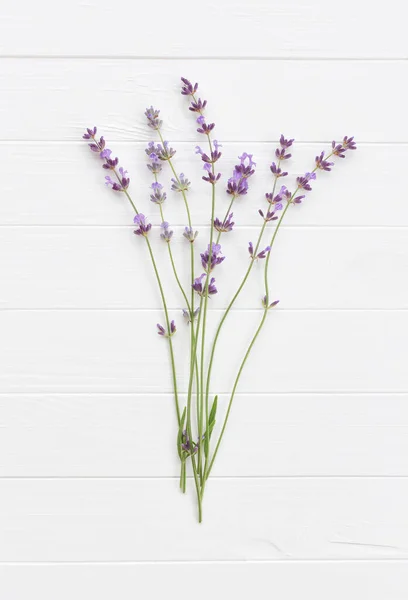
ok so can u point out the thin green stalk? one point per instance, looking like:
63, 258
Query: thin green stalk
247, 353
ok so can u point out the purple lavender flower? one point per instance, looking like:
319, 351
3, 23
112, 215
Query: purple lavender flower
187, 316
278, 198
155, 167
277, 171
261, 254
110, 163
211, 177
122, 184
340, 149
198, 106
166, 234
166, 153
186, 445
91, 133
143, 226
190, 234
323, 164
200, 120
245, 170
237, 186
199, 287
225, 225
206, 128
215, 155
298, 199
280, 153
153, 120
188, 89
158, 196
181, 185
270, 215
162, 331
216, 258
285, 143
271, 305
303, 182
159, 152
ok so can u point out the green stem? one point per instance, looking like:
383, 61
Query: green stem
247, 353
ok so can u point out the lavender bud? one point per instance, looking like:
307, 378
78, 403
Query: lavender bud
143, 226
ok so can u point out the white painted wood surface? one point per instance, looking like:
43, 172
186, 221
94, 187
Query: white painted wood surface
310, 491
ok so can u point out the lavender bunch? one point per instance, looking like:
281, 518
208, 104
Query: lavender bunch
197, 418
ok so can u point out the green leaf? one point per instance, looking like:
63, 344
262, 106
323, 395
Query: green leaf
213, 412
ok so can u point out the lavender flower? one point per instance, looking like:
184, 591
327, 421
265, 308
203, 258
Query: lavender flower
216, 258
340, 149
245, 170
199, 105
261, 254
188, 89
303, 182
271, 305
206, 128
122, 184
277, 171
153, 120
270, 215
190, 234
215, 155
323, 164
186, 445
90, 133
158, 197
226, 225
162, 331
110, 163
166, 235
211, 177
199, 287
159, 152
278, 198
237, 186
187, 316
143, 226
180, 185
155, 167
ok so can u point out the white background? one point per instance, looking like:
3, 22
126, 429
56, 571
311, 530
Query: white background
309, 495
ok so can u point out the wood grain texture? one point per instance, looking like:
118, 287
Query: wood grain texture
262, 29
75, 194
245, 519
110, 268
286, 580
58, 98
106, 435
118, 351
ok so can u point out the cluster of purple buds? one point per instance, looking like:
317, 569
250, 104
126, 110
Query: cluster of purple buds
269, 216
186, 445
122, 184
188, 89
162, 331
226, 225
166, 234
190, 234
122, 181
303, 182
143, 226
216, 258
215, 154
153, 120
322, 163
277, 171
340, 149
200, 288
159, 152
158, 196
238, 184
261, 254
280, 153
181, 184
205, 128
187, 315
277, 200
271, 305
210, 177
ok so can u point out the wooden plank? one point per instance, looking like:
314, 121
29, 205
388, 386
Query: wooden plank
285, 434
43, 267
58, 98
258, 29
75, 194
119, 351
245, 519
286, 580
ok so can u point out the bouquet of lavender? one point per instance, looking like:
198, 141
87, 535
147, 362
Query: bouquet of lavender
196, 441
